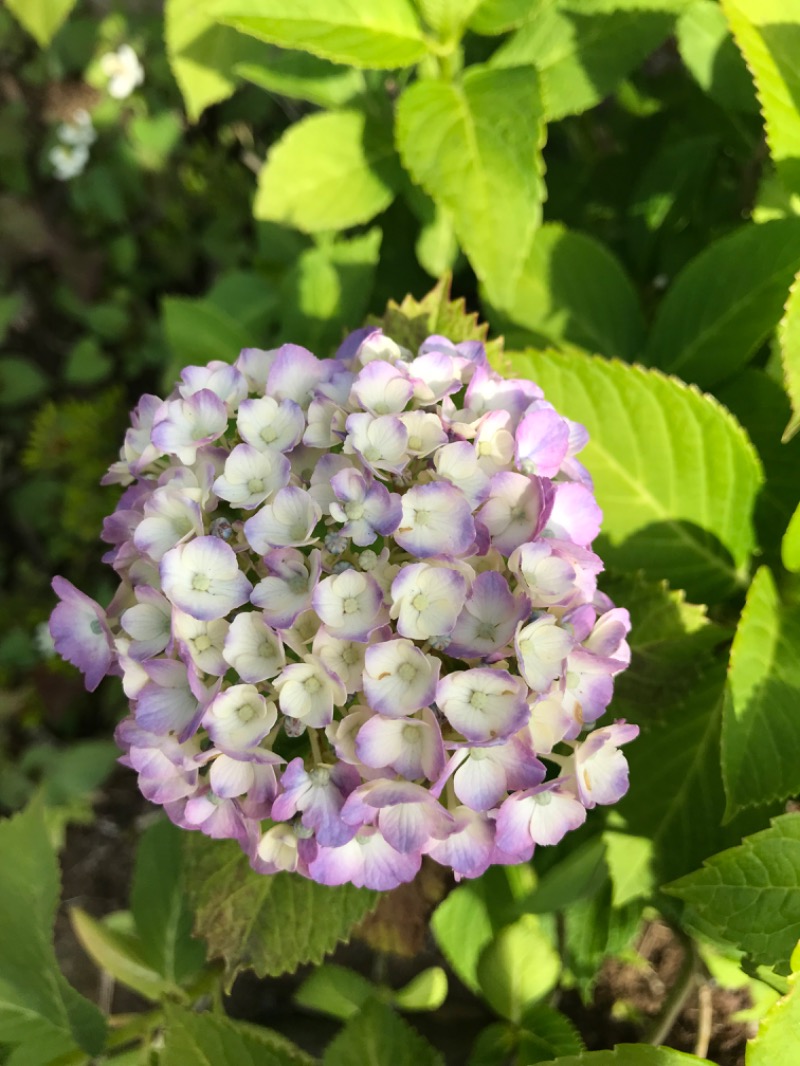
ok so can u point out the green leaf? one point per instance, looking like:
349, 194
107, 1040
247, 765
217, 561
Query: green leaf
790, 546
583, 48
760, 725
725, 302
518, 967
199, 331
303, 77
437, 247
328, 172
269, 924
571, 878
328, 289
203, 54
768, 35
163, 920
492, 17
212, 1040
446, 17
119, 956
789, 336
475, 149
10, 307
411, 321
21, 381
36, 1003
462, 928
426, 991
380, 35
545, 1033
334, 990
674, 473
41, 18
760, 404
632, 1055
708, 50
761, 876
376, 1036
778, 1036
593, 931
87, 363
573, 289
630, 861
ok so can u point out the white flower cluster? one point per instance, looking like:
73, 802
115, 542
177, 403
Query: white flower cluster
75, 137
358, 619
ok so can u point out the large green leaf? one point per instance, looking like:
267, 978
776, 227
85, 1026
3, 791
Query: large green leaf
36, 1003
474, 147
725, 302
790, 545
760, 404
198, 331
163, 920
518, 967
674, 473
708, 50
303, 76
327, 291
269, 924
778, 1037
583, 48
761, 726
329, 171
41, 18
759, 878
768, 35
491, 17
572, 288
446, 17
381, 34
202, 53
211, 1040
789, 335
119, 955
462, 928
632, 1055
376, 1036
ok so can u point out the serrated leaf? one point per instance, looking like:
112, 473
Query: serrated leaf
446, 17
789, 336
211, 1040
462, 928
382, 35
118, 956
327, 291
632, 1055
790, 546
582, 48
546, 1033
41, 18
376, 1036
492, 17
411, 321
768, 35
203, 54
760, 725
36, 1003
270, 924
303, 77
518, 967
725, 302
163, 921
761, 876
708, 50
328, 171
778, 1037
426, 991
674, 473
334, 990
474, 147
761, 406
572, 288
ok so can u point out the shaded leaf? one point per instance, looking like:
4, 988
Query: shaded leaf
518, 967
491, 17
376, 1036
270, 924
790, 547
789, 336
303, 77
761, 876
725, 302
778, 1036
41, 18
118, 955
674, 473
711, 56
211, 1040
334, 990
474, 147
632, 1055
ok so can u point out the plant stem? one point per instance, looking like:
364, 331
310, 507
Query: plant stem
659, 1028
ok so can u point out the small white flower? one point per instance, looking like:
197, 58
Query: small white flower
426, 600
123, 70
287, 522
252, 648
78, 131
251, 476
202, 641
309, 692
68, 161
542, 647
238, 718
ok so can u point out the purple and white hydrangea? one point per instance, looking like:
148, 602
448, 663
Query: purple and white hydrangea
358, 620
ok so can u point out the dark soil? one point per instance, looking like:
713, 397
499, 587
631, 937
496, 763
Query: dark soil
629, 996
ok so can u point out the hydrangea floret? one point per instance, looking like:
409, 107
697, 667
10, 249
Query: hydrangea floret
358, 619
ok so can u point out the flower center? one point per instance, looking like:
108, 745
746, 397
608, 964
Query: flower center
350, 605
268, 435
313, 685
255, 484
478, 701
202, 643
407, 673
420, 601
354, 510
246, 713
415, 443
200, 583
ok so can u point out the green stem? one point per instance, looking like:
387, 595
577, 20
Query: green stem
659, 1028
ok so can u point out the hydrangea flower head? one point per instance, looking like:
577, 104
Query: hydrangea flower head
358, 619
